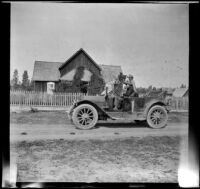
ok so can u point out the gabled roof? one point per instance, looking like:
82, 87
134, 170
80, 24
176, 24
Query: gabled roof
76, 54
110, 72
180, 92
49, 71
46, 71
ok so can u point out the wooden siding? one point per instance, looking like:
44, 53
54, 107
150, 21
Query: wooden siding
42, 86
80, 60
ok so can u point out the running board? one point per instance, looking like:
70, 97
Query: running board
116, 118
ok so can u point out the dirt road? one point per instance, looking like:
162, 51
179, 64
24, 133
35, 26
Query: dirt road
73, 155
103, 130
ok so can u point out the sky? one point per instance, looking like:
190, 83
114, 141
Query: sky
149, 41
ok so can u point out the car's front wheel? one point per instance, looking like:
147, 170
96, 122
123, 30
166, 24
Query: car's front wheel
85, 116
157, 117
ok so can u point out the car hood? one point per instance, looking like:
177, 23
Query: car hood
94, 98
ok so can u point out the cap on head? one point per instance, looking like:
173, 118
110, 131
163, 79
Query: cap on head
130, 76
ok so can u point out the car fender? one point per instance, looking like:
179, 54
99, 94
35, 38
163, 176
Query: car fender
99, 109
153, 103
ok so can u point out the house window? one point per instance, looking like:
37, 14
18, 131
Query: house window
50, 86
67, 83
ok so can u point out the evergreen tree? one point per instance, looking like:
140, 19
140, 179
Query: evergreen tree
76, 83
150, 88
15, 79
30, 86
25, 80
96, 85
154, 89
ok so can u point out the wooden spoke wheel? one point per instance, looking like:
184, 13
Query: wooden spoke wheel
85, 116
157, 117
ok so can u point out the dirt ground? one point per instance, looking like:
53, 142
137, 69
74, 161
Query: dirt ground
146, 159
134, 158
60, 117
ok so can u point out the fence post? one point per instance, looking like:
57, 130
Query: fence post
40, 96
26, 99
21, 98
10, 98
52, 99
56, 99
65, 100
176, 100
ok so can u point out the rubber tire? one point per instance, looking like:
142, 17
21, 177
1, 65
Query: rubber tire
75, 120
161, 125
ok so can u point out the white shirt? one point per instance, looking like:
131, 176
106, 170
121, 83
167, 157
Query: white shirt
109, 86
131, 82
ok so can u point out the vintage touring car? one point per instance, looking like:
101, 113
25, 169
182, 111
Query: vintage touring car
87, 110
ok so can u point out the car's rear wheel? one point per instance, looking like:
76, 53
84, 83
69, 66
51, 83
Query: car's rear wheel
157, 117
85, 116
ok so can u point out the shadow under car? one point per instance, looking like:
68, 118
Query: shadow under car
111, 124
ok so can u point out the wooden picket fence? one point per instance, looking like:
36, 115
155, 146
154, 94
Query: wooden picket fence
33, 98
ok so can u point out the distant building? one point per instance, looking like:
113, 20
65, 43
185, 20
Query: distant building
142, 94
63, 72
181, 92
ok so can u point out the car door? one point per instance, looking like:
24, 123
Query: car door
139, 103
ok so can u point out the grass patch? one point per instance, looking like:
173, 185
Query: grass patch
147, 159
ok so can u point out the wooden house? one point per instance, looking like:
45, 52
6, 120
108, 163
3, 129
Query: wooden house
181, 92
73, 75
